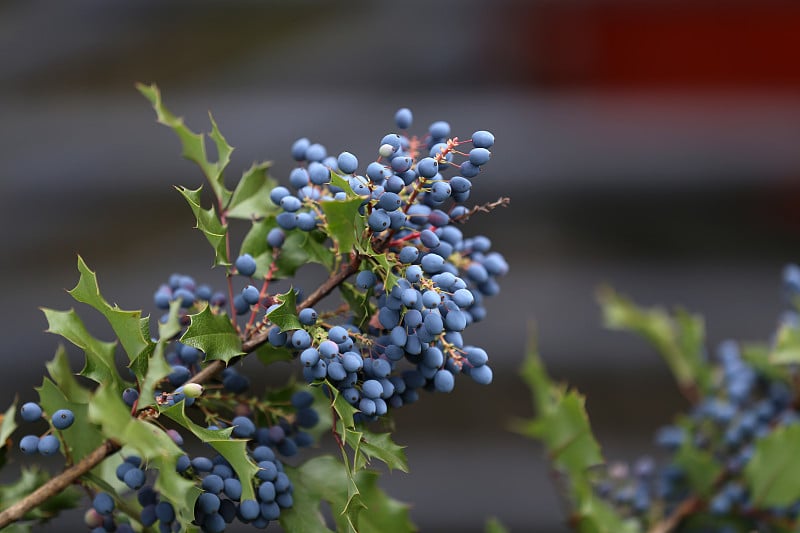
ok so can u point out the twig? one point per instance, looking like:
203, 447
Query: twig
57, 483
686, 508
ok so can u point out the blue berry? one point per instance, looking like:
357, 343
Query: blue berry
29, 444
307, 316
30, 412
63, 418
403, 118
103, 503
251, 295
482, 139
348, 163
245, 265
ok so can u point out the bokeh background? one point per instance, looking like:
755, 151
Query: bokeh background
654, 146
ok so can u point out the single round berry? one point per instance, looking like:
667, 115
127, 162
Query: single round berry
403, 118
103, 503
63, 418
245, 265
307, 316
30, 412
48, 445
347, 162
29, 444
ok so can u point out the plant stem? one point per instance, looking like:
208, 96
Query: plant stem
57, 483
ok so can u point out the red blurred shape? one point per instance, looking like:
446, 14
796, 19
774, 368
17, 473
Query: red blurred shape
687, 44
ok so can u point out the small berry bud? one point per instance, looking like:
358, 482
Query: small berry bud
192, 390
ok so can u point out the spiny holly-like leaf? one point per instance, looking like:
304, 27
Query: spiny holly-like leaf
151, 366
62, 375
234, 450
29, 480
345, 224
594, 515
679, 340
380, 446
326, 479
82, 437
194, 146
700, 466
209, 223
561, 421
251, 197
383, 268
269, 354
126, 324
773, 474
285, 315
151, 443
213, 335
563, 426
359, 302
100, 365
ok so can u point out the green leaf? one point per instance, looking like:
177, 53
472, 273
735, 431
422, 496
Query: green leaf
269, 354
344, 223
359, 303
126, 324
62, 375
773, 474
251, 197
194, 146
383, 269
563, 426
760, 357
29, 480
700, 466
493, 525
234, 450
326, 479
151, 366
100, 365
679, 340
82, 437
380, 446
209, 223
285, 314
594, 515
214, 335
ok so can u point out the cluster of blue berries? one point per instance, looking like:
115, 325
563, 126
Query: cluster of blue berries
744, 405
413, 202
47, 444
185, 289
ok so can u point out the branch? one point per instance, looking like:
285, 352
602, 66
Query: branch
57, 483
109, 447
682, 511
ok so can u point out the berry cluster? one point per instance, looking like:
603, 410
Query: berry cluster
439, 277
47, 444
745, 404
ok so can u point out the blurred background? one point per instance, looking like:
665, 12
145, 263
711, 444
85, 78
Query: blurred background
654, 146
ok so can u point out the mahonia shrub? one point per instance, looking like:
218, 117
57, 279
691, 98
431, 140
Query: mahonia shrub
179, 440
730, 462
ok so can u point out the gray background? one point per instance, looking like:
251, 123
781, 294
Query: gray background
676, 196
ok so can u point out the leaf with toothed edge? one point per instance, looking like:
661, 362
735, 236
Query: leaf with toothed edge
213, 335
100, 365
194, 146
126, 324
285, 314
151, 367
251, 199
209, 223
